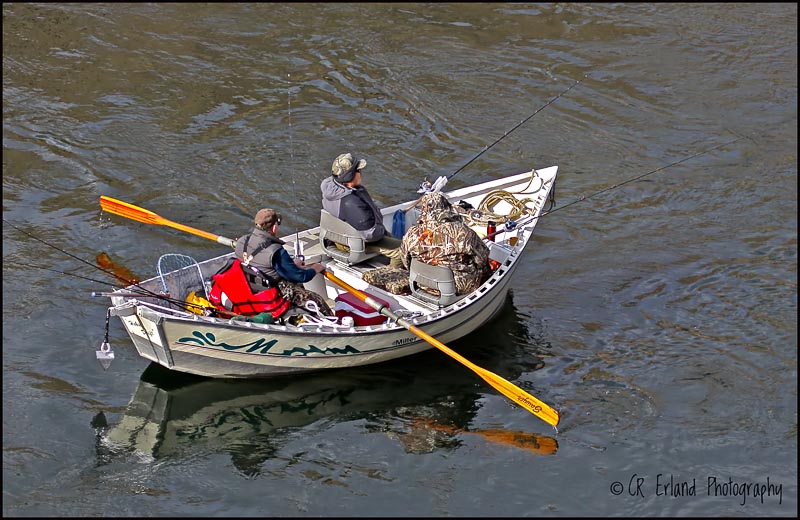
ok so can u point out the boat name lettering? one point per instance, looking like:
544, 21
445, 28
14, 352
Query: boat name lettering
208, 339
403, 341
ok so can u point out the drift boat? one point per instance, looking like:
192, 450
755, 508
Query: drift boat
168, 334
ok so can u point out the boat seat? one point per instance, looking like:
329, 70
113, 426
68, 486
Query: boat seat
425, 277
334, 231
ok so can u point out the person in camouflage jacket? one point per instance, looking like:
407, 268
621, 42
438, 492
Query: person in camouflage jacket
440, 237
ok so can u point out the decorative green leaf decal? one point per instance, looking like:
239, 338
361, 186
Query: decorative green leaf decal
262, 346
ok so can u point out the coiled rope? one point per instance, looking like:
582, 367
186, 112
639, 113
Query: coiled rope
485, 212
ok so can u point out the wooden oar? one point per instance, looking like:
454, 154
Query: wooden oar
123, 209
508, 389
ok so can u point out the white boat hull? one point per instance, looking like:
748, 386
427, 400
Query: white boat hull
224, 348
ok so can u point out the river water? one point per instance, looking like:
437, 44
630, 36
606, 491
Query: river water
659, 317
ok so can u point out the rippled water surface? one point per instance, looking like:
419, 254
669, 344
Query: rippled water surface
659, 316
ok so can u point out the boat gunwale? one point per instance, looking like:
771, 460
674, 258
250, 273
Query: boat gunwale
436, 314
313, 330
508, 266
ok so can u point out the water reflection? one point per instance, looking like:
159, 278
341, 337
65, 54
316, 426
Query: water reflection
427, 402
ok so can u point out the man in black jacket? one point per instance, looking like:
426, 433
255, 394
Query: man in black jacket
344, 197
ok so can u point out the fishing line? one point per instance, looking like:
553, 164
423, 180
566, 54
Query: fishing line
117, 287
152, 295
298, 253
59, 249
587, 197
508, 132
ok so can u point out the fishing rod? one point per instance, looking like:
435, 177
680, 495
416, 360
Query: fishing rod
525, 221
508, 132
59, 249
145, 291
104, 282
587, 197
427, 187
117, 292
105, 355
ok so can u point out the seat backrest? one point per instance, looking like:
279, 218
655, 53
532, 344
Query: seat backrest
437, 277
333, 230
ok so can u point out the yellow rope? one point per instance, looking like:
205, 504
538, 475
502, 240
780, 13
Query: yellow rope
484, 213
492, 199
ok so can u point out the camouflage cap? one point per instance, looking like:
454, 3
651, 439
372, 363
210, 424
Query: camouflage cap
266, 217
345, 166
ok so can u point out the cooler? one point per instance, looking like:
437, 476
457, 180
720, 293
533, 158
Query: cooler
362, 314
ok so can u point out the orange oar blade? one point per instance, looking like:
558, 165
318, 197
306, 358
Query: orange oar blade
522, 398
124, 209
507, 388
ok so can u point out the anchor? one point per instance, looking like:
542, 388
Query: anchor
105, 355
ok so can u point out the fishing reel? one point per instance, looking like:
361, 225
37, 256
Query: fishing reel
426, 186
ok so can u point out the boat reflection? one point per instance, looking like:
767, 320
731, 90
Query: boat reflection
426, 401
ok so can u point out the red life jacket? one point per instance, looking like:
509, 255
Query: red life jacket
231, 291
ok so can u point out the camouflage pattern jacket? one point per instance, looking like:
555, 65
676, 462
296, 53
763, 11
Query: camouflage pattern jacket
440, 237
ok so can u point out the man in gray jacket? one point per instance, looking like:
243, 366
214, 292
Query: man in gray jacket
344, 197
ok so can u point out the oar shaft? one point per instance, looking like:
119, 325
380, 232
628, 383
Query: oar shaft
124, 209
516, 394
204, 234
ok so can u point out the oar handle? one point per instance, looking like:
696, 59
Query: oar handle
372, 302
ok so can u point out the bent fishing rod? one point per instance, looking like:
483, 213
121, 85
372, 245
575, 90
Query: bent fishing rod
527, 220
508, 132
441, 181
